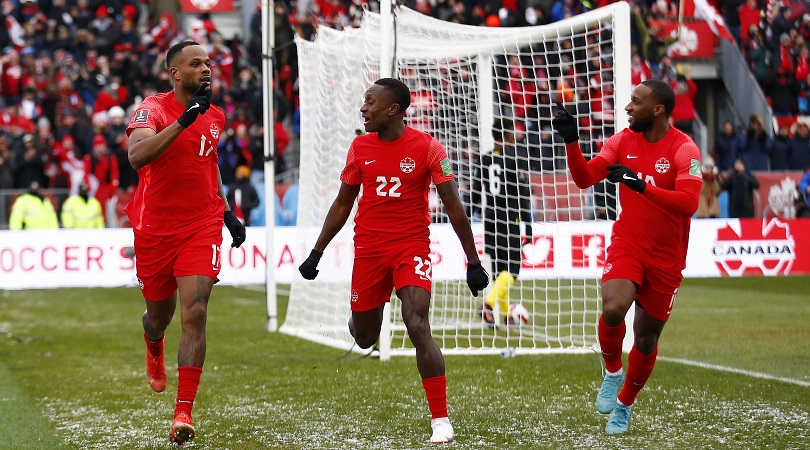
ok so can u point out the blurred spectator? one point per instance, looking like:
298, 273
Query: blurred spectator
747, 16
282, 138
783, 95
232, 153
82, 210
101, 171
639, 71
30, 164
13, 123
740, 184
726, 146
780, 25
755, 146
8, 164
256, 147
708, 205
666, 70
732, 17
32, 211
68, 164
799, 158
760, 57
242, 196
780, 150
653, 43
12, 77
683, 116
81, 133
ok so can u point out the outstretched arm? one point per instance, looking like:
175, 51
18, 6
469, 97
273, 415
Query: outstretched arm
584, 173
448, 192
338, 214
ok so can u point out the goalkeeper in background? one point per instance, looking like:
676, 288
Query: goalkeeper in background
658, 168
503, 192
394, 165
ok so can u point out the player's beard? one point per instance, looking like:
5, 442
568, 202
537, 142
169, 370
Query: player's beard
640, 125
192, 86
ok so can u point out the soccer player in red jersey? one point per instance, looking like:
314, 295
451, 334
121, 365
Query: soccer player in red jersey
658, 168
394, 165
177, 215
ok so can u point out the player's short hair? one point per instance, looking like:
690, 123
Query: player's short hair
662, 93
399, 90
501, 126
175, 49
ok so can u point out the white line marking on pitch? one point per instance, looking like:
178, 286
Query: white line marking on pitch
733, 370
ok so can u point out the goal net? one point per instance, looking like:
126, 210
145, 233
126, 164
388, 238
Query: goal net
465, 80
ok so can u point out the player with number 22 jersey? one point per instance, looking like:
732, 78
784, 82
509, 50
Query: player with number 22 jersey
396, 179
393, 165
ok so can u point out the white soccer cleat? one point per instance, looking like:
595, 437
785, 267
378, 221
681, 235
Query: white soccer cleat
442, 431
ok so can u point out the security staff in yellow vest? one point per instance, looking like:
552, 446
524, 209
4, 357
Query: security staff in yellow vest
82, 211
32, 211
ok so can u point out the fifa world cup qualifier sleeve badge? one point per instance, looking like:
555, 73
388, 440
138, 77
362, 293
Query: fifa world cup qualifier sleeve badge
447, 169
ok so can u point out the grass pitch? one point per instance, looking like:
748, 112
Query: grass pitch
732, 374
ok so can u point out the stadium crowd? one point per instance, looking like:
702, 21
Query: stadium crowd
73, 70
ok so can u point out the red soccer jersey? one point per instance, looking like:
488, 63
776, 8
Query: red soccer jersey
178, 191
396, 179
644, 223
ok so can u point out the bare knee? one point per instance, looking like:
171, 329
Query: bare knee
195, 314
646, 343
365, 338
614, 309
155, 321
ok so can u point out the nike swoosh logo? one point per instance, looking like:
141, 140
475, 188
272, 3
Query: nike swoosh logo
196, 105
632, 156
369, 162
626, 177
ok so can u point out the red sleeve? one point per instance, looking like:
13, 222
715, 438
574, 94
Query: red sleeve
585, 173
150, 114
351, 172
440, 168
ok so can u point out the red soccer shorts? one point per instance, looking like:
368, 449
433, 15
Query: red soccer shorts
377, 273
657, 287
159, 259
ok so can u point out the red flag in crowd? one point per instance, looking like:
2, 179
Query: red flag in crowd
701, 9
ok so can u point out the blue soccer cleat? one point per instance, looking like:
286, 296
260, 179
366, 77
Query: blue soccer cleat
619, 420
606, 399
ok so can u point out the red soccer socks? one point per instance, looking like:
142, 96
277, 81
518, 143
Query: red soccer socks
155, 365
639, 368
436, 392
610, 340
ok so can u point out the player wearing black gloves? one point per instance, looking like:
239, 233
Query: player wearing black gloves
658, 168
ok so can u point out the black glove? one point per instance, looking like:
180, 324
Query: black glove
622, 174
309, 268
565, 124
477, 278
198, 104
235, 227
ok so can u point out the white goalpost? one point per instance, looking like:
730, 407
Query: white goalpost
464, 79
